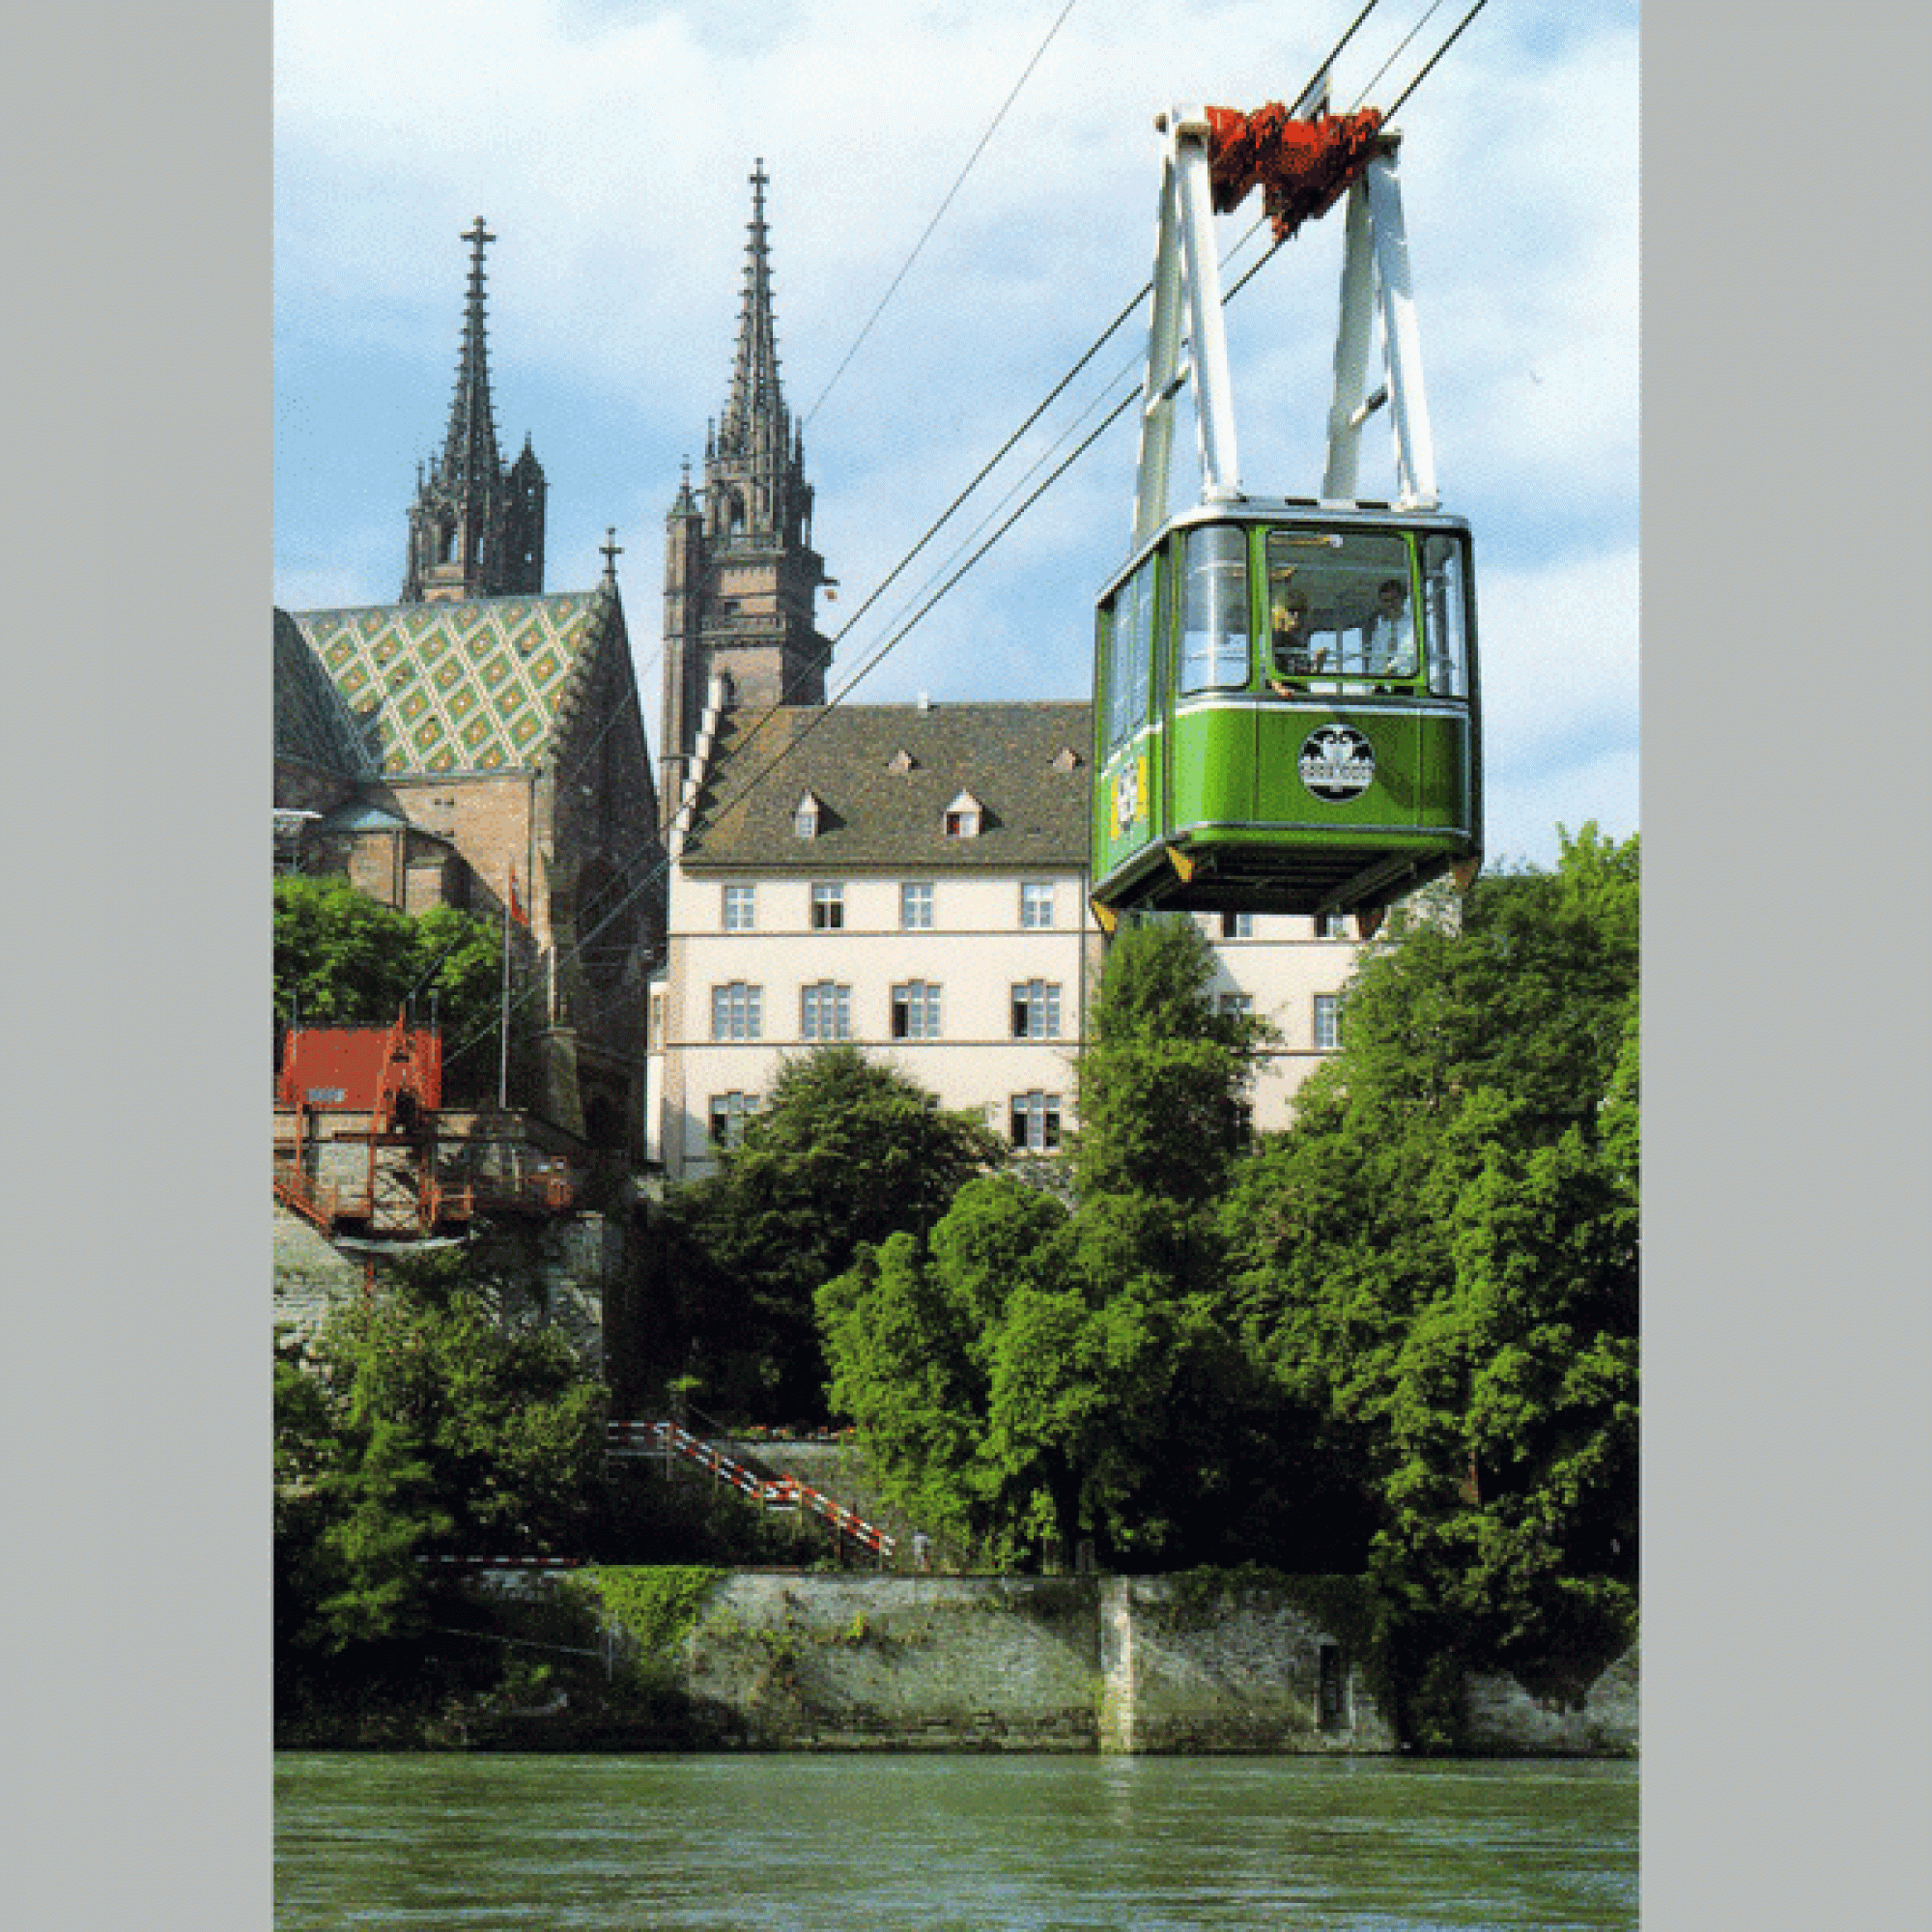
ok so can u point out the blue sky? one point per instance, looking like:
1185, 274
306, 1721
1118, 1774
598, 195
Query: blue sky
609, 144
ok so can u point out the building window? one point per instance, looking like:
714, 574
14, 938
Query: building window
728, 1114
963, 817
916, 1010
825, 1012
804, 817
737, 1011
916, 906
1035, 1122
741, 908
1237, 925
1036, 1010
1036, 905
657, 1037
828, 908
1327, 1022
1332, 926
1236, 1005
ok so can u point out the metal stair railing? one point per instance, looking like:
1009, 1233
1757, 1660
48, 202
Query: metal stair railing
774, 1492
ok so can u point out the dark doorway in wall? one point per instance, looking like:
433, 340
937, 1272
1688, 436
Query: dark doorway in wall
1332, 1697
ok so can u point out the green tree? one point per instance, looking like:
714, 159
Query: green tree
1165, 1081
434, 1421
1038, 1374
343, 959
846, 1153
1440, 1252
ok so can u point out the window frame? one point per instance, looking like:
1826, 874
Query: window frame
814, 1025
1034, 1121
919, 1003
925, 901
1035, 999
735, 1118
828, 905
1033, 894
742, 1010
1327, 1022
739, 898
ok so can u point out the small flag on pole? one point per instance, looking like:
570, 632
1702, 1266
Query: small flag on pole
517, 910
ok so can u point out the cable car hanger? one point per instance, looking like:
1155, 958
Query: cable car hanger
1304, 159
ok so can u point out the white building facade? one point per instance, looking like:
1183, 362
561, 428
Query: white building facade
912, 879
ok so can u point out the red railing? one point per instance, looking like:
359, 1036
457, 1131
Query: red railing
777, 1492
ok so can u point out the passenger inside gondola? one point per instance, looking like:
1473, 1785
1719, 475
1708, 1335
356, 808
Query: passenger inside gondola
1389, 649
1291, 653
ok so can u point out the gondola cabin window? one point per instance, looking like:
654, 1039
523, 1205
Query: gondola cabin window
1130, 651
1341, 606
1446, 604
1215, 610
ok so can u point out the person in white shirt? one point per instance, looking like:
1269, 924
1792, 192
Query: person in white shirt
1390, 649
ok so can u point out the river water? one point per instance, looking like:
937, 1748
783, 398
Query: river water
981, 1843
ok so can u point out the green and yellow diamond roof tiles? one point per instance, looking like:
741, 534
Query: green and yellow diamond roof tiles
478, 686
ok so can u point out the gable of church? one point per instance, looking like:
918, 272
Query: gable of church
481, 686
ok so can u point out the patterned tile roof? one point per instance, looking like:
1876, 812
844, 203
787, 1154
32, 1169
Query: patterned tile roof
312, 722
884, 776
476, 686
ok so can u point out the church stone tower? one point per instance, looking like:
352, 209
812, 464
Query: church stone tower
741, 576
477, 529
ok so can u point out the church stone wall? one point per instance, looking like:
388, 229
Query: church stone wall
489, 820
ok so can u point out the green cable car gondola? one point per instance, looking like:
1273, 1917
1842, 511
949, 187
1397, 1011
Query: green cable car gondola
1285, 699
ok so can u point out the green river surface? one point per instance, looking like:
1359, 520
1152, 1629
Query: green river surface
914, 1843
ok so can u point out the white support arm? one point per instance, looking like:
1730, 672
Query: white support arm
1352, 341
1401, 342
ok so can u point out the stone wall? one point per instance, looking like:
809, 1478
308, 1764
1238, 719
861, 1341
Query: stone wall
801, 1662
573, 1261
310, 1276
1229, 1667
1503, 1717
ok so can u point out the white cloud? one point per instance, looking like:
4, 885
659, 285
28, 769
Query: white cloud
607, 146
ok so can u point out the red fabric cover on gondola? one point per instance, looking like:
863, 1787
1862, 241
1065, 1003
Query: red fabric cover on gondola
1302, 167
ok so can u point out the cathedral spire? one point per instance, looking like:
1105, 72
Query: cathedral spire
754, 417
470, 450
741, 576
475, 528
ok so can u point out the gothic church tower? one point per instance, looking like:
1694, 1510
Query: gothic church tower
740, 574
477, 529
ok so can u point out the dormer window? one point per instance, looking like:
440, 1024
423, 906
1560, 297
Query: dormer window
806, 815
1067, 760
964, 816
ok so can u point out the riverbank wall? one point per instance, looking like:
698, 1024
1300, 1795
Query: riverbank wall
1199, 1663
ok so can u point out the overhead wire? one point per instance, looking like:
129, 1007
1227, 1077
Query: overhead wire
940, 212
1123, 403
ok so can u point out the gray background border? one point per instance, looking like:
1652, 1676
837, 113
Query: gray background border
1784, 426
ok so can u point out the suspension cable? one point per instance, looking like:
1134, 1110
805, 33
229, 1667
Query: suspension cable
577, 950
905, 270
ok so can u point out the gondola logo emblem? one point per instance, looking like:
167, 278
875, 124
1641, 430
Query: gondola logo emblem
1129, 795
1337, 764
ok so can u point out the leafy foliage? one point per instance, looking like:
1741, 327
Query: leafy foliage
655, 1604
1165, 1080
1398, 1338
343, 959
846, 1153
1441, 1253
432, 1422
1034, 1375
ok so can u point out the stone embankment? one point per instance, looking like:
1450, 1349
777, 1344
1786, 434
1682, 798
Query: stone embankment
1199, 1663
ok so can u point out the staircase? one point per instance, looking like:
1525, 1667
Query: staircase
636, 1440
